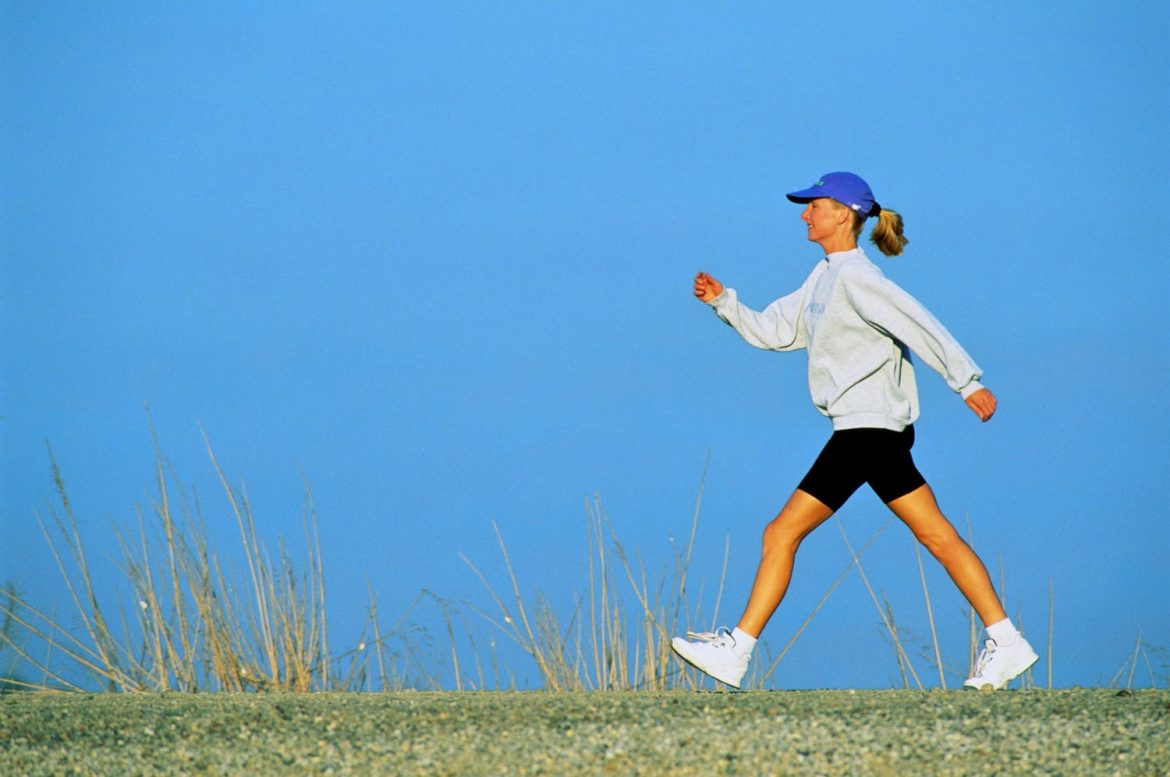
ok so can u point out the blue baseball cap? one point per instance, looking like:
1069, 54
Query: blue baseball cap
846, 188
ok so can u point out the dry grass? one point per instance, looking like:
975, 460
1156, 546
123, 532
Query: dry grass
187, 629
622, 639
190, 627
608, 643
1140, 657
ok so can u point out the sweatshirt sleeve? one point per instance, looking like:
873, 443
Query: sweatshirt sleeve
886, 306
776, 328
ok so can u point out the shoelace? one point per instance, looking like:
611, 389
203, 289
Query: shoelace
985, 656
720, 634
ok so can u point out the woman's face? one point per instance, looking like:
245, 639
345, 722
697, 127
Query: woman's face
824, 217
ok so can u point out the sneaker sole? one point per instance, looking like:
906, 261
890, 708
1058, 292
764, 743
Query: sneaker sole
700, 667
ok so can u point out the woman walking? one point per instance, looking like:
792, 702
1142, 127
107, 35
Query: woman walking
858, 328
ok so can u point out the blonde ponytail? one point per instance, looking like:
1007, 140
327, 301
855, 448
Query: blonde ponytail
887, 234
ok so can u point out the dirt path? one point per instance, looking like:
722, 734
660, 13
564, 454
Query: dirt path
1092, 732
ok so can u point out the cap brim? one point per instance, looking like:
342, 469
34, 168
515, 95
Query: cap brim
807, 195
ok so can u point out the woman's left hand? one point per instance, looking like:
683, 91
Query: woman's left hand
983, 404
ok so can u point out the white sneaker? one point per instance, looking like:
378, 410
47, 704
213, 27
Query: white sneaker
713, 654
1000, 664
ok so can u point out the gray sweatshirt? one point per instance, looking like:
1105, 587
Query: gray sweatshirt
859, 328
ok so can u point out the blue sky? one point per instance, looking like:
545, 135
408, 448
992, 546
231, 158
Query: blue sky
436, 259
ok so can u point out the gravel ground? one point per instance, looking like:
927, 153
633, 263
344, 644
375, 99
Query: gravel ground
1092, 732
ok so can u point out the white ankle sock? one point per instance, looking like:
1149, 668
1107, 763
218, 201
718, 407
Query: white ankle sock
744, 642
1003, 632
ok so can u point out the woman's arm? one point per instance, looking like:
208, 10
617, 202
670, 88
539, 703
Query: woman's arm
776, 328
887, 307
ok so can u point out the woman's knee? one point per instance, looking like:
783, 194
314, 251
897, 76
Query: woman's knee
796, 520
942, 541
780, 536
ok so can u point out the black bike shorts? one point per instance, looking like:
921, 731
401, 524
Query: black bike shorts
880, 457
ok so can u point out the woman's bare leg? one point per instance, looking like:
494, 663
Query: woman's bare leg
782, 537
920, 511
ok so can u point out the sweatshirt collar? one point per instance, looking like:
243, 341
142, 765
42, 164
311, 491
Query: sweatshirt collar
838, 258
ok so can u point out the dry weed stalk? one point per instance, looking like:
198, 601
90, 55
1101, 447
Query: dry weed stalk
623, 648
187, 631
899, 651
824, 600
942, 681
1051, 626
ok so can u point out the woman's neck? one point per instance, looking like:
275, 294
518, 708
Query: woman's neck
836, 244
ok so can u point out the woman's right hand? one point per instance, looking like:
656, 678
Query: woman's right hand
707, 288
